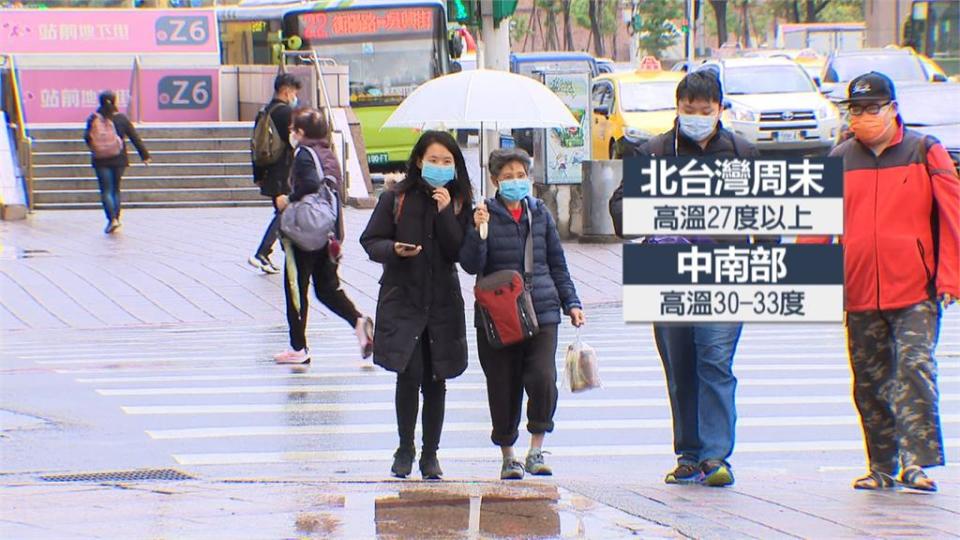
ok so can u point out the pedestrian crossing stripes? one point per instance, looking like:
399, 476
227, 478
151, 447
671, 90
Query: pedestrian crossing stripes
944, 366
484, 427
599, 403
371, 387
212, 396
236, 458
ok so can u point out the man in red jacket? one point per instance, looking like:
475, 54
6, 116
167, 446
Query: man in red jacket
902, 266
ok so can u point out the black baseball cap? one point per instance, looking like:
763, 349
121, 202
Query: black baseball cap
872, 87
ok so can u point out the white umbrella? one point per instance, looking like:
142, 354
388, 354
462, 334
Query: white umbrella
482, 99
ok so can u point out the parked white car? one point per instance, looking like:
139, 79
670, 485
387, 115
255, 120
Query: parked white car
775, 104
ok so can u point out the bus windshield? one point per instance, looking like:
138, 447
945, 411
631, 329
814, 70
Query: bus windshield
383, 72
389, 51
934, 31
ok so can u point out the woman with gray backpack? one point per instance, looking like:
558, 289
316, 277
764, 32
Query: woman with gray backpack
105, 133
311, 228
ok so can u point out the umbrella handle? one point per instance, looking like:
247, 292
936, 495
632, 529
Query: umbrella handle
482, 229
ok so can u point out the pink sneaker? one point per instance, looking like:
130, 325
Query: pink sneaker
292, 357
364, 331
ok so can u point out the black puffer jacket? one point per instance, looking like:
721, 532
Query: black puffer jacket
421, 292
503, 249
305, 178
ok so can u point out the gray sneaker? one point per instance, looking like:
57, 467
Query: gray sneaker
512, 469
535, 464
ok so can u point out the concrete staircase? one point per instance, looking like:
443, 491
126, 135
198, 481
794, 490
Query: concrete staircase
195, 165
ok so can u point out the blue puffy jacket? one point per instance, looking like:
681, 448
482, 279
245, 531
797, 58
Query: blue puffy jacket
503, 249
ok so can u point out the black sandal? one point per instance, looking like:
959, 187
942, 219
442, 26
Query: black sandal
876, 480
913, 477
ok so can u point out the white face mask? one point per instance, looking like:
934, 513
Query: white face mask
294, 140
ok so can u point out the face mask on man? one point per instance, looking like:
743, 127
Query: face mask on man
697, 127
294, 139
869, 128
437, 175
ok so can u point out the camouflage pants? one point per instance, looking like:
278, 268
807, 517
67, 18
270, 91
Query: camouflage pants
895, 385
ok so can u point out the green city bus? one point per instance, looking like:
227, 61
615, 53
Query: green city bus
933, 29
390, 46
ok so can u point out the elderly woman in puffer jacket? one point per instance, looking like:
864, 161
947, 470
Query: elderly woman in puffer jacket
529, 365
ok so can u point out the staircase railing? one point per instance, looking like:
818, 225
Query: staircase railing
325, 107
23, 142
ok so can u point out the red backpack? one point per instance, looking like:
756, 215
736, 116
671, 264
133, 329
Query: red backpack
104, 140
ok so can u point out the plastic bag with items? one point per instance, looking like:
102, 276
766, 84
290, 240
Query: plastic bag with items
581, 369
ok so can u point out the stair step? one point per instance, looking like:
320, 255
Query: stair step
139, 169
152, 195
194, 165
148, 131
159, 157
170, 204
76, 144
147, 182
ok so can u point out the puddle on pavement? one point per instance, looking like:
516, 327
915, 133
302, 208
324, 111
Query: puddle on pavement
451, 510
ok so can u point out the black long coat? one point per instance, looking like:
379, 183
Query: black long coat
423, 292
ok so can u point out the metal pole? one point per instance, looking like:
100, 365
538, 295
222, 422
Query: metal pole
691, 53
496, 55
701, 41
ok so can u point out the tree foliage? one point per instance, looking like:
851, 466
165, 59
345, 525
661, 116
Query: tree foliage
655, 34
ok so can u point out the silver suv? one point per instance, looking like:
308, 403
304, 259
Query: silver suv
774, 103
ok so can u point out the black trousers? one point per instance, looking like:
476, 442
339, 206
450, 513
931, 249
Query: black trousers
416, 379
326, 285
531, 366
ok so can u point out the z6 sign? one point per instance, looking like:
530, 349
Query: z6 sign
114, 31
166, 95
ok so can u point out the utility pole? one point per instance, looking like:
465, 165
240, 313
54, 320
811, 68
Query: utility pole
701, 31
691, 52
493, 53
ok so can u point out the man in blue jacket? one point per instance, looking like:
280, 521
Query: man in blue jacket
697, 358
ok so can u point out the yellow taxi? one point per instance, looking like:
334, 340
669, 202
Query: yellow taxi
634, 105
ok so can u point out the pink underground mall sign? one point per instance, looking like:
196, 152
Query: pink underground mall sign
134, 31
166, 95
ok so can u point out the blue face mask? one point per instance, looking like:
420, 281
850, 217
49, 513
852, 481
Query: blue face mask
437, 175
294, 102
514, 190
697, 127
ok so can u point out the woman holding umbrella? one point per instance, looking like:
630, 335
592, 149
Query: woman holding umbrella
416, 231
530, 364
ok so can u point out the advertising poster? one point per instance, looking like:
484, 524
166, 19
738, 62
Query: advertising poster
113, 31
166, 95
566, 149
